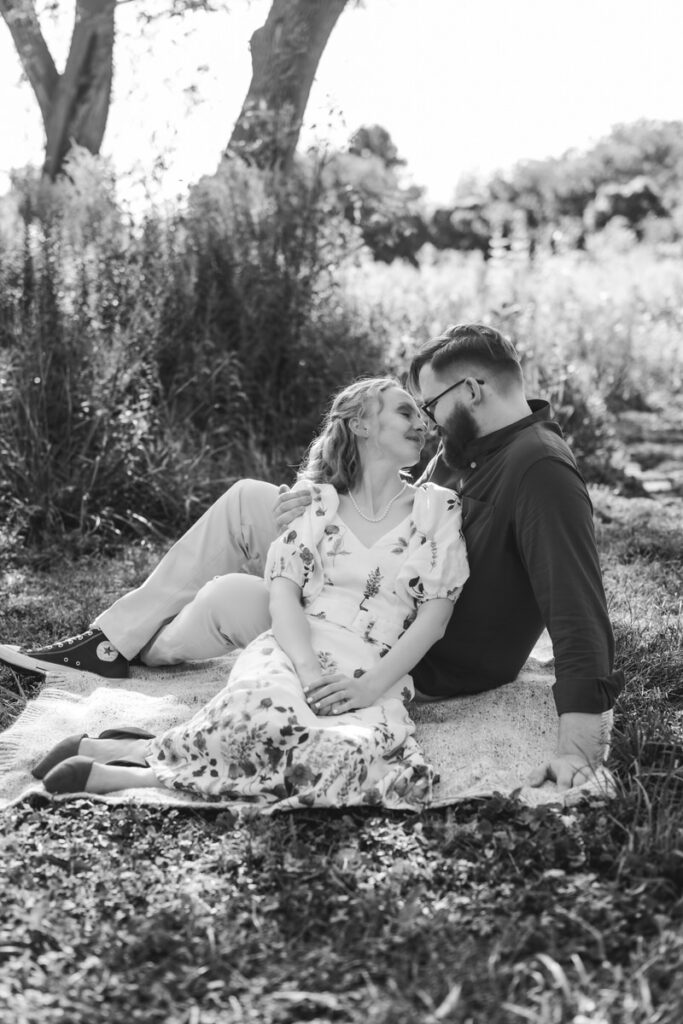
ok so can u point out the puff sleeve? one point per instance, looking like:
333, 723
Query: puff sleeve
295, 553
436, 566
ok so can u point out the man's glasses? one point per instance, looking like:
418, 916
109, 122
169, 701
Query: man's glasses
428, 407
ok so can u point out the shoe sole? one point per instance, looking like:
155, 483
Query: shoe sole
13, 656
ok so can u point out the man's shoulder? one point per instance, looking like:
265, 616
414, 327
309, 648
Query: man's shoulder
545, 470
542, 440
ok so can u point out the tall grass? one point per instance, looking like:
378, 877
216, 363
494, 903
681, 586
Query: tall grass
598, 331
143, 368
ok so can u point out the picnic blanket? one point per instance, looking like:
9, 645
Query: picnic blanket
479, 744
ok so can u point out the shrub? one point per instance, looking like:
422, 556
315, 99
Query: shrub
266, 327
146, 368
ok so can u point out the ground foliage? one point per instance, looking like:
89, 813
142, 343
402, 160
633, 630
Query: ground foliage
488, 912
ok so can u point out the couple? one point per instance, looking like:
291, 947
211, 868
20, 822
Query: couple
358, 598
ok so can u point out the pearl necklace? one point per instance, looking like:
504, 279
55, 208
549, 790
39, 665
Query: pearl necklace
383, 515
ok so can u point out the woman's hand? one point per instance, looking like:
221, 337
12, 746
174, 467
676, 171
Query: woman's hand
336, 693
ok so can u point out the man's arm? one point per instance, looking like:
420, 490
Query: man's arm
556, 540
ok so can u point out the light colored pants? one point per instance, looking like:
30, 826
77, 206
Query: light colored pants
207, 593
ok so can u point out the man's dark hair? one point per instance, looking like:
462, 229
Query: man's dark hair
468, 343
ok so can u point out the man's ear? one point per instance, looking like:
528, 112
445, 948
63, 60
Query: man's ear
475, 390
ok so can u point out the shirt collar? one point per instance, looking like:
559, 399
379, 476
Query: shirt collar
540, 412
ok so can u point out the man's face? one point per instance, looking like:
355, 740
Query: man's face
453, 413
459, 430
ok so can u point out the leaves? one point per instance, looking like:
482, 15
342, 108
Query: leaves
489, 911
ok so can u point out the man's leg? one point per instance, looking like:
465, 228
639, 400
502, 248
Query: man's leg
233, 536
227, 612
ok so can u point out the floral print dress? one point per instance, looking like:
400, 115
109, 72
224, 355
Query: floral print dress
258, 739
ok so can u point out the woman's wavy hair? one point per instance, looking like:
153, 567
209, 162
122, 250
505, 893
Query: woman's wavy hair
333, 456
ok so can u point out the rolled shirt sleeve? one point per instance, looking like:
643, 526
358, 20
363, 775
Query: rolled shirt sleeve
556, 541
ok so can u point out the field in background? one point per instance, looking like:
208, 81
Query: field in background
143, 368
611, 317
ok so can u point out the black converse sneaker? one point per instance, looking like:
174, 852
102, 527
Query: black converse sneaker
86, 652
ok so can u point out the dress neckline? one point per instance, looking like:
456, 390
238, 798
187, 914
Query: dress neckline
370, 547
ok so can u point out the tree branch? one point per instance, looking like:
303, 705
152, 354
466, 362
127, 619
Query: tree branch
35, 57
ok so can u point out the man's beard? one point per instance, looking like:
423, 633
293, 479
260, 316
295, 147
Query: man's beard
458, 432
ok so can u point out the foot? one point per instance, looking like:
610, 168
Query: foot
114, 750
83, 775
125, 743
85, 652
110, 778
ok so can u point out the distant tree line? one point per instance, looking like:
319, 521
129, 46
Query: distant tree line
635, 173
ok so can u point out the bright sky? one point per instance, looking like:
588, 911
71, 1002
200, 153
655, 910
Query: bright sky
462, 85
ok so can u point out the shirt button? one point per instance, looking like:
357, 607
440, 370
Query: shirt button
473, 465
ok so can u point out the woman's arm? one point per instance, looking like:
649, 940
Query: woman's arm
291, 628
428, 626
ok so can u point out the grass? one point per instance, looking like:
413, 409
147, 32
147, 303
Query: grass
487, 912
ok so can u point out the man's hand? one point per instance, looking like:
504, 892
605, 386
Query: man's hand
288, 506
336, 693
582, 745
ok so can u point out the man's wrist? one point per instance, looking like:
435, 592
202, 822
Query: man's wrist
585, 735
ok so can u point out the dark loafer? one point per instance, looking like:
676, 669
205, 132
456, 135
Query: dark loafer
67, 748
71, 776
126, 733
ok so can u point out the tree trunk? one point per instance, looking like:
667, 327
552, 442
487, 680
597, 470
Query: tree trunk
81, 102
285, 53
75, 104
35, 57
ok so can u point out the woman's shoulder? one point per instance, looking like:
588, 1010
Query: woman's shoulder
434, 502
324, 497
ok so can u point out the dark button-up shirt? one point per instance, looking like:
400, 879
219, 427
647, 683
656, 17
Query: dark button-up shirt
528, 525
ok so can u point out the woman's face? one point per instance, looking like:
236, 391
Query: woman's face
395, 427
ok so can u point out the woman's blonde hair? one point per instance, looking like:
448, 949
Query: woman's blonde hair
333, 456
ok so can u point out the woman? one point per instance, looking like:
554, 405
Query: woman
361, 585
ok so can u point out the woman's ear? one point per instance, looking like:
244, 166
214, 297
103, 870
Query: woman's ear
357, 427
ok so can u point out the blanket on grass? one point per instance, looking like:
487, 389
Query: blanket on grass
479, 745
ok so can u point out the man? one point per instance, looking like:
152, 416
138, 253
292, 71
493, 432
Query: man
527, 521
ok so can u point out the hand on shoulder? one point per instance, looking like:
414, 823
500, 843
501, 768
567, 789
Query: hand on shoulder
289, 505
